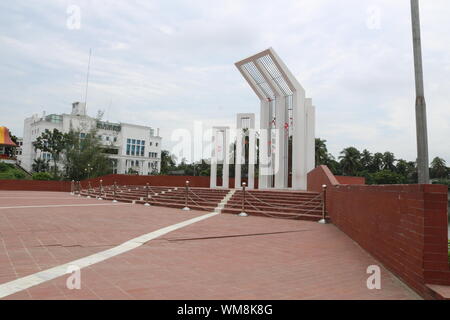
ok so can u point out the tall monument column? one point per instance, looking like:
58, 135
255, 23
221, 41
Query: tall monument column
220, 153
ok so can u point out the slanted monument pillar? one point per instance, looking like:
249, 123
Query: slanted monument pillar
285, 114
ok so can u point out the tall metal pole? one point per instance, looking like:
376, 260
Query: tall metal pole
421, 112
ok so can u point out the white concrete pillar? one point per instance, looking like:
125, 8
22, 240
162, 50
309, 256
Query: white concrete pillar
251, 158
264, 147
280, 165
239, 161
310, 136
213, 170
299, 174
226, 159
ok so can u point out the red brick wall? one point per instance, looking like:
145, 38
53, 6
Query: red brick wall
35, 185
121, 179
350, 180
167, 181
320, 176
403, 226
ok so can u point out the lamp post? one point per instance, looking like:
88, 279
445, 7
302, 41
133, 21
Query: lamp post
146, 197
100, 190
421, 112
243, 213
186, 208
324, 205
89, 190
88, 170
114, 192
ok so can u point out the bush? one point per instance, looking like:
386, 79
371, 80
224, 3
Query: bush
445, 182
8, 175
9, 172
386, 177
4, 167
42, 176
18, 174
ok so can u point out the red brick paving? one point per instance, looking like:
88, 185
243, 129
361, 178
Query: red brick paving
306, 261
35, 239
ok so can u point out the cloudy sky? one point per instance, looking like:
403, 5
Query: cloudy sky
169, 63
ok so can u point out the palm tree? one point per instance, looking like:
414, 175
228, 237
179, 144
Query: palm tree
377, 162
321, 152
366, 159
439, 168
350, 160
388, 161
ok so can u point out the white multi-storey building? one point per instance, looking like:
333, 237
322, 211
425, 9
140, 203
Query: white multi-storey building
133, 148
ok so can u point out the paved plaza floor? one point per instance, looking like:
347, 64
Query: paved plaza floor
208, 257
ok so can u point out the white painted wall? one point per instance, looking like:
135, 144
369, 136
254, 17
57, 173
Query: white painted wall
35, 125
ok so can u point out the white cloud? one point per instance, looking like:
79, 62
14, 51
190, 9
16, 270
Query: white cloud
169, 63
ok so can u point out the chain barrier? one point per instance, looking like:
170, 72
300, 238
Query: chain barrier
286, 207
290, 216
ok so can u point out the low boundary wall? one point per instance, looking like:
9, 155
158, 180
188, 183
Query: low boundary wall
402, 226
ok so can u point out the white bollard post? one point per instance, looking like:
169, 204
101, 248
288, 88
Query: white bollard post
186, 208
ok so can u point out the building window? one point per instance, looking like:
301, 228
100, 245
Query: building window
156, 144
151, 143
136, 147
115, 139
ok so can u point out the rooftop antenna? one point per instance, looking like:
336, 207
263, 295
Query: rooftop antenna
107, 110
87, 78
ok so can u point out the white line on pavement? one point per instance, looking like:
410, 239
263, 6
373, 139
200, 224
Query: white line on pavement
35, 279
67, 205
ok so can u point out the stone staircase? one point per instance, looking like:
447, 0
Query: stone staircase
277, 204
172, 197
269, 203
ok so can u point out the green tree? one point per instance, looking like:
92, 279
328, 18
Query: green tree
439, 168
52, 142
386, 177
321, 151
377, 162
40, 165
402, 167
350, 160
168, 162
388, 161
84, 156
366, 159
412, 172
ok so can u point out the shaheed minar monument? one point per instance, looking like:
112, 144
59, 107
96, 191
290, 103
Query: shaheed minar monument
285, 114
